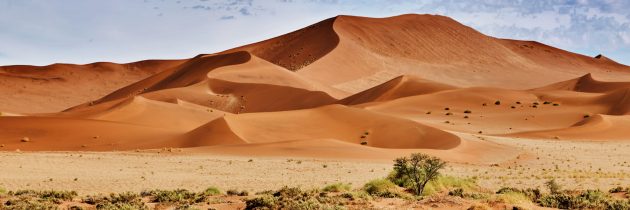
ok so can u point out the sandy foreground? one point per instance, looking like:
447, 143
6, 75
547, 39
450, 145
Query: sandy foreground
577, 165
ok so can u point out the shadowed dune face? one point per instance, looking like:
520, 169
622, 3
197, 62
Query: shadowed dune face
370, 88
297, 49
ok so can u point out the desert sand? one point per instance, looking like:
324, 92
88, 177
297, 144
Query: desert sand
354, 92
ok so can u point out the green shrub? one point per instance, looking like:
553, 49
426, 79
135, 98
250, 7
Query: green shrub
443, 183
263, 202
234, 192
180, 196
48, 195
553, 186
23, 203
555, 201
295, 198
459, 192
617, 189
618, 204
513, 198
416, 171
532, 194
357, 195
590, 199
212, 191
337, 187
381, 188
126, 200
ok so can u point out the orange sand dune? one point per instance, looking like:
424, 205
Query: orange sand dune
31, 89
141, 111
351, 87
335, 121
191, 72
587, 83
203, 81
373, 50
517, 111
398, 87
597, 127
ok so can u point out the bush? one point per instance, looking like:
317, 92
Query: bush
442, 183
381, 188
478, 207
532, 194
459, 192
618, 204
617, 189
26, 203
127, 200
513, 198
180, 196
263, 202
590, 199
48, 195
237, 193
553, 186
357, 195
212, 191
556, 201
416, 171
337, 187
295, 198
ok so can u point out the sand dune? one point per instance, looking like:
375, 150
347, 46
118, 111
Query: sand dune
588, 84
473, 110
329, 122
31, 89
597, 127
398, 87
347, 87
414, 45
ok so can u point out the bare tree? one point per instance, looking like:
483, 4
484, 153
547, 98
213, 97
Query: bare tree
419, 169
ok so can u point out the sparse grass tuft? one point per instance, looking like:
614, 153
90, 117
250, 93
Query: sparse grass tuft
381, 188
178, 196
337, 187
127, 200
444, 183
234, 192
212, 191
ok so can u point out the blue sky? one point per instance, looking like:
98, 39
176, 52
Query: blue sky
42, 32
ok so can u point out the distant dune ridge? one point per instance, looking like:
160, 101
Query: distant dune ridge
375, 87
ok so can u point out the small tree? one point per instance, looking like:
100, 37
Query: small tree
553, 186
418, 169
